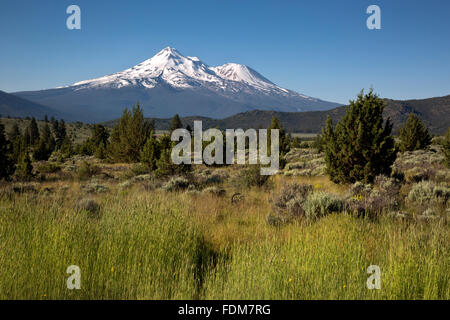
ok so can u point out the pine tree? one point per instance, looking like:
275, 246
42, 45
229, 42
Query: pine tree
6, 163
359, 147
446, 146
414, 135
175, 123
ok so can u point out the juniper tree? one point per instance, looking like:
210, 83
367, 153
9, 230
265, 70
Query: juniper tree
46, 144
14, 133
175, 123
129, 136
24, 167
60, 132
150, 153
414, 135
361, 146
446, 146
32, 133
284, 140
97, 143
6, 163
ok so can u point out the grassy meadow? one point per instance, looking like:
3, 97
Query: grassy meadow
137, 237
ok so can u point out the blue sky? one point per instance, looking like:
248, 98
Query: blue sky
319, 48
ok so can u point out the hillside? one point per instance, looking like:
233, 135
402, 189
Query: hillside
435, 112
14, 106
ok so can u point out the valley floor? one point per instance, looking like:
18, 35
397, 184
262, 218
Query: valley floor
133, 239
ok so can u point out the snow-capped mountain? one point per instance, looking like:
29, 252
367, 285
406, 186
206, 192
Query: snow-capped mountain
170, 83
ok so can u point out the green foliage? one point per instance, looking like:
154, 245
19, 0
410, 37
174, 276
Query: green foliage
48, 167
6, 163
252, 177
129, 136
284, 138
87, 171
60, 132
24, 168
150, 153
414, 135
318, 143
446, 147
164, 164
46, 144
175, 123
360, 147
296, 142
32, 133
97, 144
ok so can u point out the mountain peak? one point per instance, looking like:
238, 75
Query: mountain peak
170, 67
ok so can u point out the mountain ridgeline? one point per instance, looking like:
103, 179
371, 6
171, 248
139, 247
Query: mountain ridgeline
435, 113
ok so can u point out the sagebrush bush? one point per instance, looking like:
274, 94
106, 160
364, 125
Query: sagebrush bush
216, 191
427, 192
176, 184
95, 187
89, 205
421, 192
319, 204
291, 198
48, 167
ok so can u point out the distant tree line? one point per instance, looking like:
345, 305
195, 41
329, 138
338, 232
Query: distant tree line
358, 148
19, 148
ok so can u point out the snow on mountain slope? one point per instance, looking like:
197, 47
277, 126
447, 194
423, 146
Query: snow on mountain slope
170, 83
187, 72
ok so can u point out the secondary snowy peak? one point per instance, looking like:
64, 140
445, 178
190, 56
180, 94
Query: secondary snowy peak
241, 73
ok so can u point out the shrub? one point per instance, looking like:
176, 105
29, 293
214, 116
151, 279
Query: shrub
426, 192
176, 184
216, 191
320, 204
48, 167
371, 200
94, 187
87, 170
252, 177
291, 198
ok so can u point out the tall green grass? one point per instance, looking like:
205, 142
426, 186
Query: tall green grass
158, 245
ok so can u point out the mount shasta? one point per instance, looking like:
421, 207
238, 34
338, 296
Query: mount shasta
170, 83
